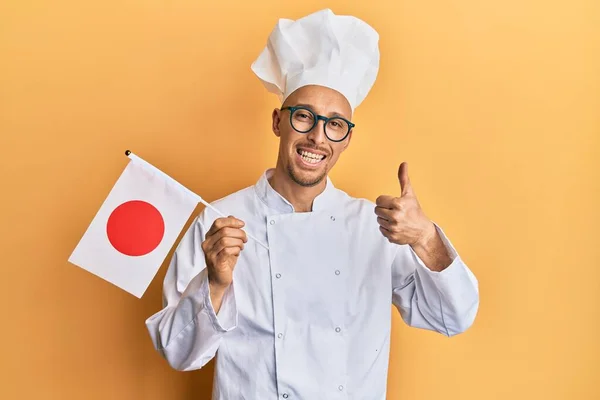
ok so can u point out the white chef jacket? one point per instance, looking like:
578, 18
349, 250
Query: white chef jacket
310, 318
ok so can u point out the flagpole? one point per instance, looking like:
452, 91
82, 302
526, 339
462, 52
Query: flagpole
132, 156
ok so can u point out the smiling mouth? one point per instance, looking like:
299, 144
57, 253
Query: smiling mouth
310, 157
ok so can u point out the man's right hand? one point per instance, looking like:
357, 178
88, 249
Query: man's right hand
222, 246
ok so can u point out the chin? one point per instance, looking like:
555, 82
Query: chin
307, 178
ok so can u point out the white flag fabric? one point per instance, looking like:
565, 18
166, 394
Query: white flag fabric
135, 228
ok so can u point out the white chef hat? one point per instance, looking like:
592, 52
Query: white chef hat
337, 51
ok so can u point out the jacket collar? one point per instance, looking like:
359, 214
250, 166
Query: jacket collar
326, 199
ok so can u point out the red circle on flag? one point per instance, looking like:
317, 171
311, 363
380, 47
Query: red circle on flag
135, 228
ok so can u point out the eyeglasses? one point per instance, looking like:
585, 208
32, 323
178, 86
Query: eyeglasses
303, 120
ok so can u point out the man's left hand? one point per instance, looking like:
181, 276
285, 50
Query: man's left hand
401, 219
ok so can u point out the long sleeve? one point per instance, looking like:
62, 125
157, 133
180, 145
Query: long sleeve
445, 301
187, 331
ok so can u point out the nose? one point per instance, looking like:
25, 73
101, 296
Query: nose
317, 133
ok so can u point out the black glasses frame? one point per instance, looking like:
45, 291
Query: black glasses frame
316, 118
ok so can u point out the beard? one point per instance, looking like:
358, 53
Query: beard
305, 182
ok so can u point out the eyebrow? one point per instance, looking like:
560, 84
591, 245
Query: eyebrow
331, 115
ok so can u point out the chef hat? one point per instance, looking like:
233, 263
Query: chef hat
337, 51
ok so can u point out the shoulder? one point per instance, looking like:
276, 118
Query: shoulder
239, 204
234, 199
354, 205
358, 212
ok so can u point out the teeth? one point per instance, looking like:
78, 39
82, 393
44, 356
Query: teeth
306, 154
310, 160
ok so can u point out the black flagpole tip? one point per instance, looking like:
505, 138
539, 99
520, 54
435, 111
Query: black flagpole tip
127, 152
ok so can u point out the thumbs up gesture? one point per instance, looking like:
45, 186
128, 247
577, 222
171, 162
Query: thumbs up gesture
401, 219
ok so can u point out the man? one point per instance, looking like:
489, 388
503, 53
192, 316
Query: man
309, 318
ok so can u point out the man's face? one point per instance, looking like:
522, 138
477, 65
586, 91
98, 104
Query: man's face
308, 157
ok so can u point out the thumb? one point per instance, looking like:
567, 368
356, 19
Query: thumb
405, 185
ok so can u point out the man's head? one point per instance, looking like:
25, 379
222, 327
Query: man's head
308, 157
327, 64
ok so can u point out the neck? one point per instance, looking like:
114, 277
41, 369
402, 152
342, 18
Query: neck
301, 197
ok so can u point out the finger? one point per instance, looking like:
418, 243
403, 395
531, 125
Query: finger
229, 251
221, 237
385, 213
230, 232
221, 223
217, 224
385, 201
227, 242
385, 232
384, 223
405, 185
226, 232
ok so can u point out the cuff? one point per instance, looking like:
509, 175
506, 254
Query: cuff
455, 276
227, 318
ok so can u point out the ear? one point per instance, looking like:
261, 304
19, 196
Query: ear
276, 121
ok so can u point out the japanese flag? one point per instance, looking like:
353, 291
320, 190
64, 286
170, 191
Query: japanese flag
135, 228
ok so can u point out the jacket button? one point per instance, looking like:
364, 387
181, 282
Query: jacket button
277, 276
285, 396
337, 271
332, 218
272, 222
338, 329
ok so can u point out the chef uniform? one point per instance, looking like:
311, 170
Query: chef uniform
310, 317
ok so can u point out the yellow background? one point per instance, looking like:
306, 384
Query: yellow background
494, 104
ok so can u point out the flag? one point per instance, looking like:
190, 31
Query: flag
136, 226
